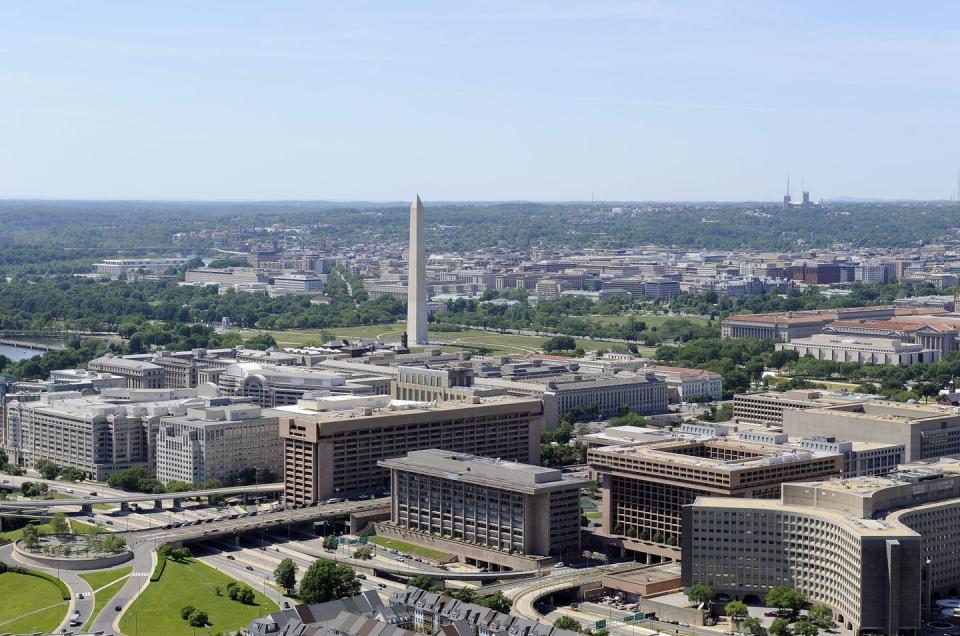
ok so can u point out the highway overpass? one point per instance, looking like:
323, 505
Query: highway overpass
87, 501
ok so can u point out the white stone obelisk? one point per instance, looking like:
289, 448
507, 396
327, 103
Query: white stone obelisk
416, 278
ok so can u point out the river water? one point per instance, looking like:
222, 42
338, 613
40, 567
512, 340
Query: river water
19, 353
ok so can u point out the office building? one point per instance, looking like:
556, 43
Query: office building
217, 441
645, 486
860, 350
139, 374
876, 550
417, 276
661, 288
95, 434
487, 503
270, 386
687, 385
227, 276
300, 283
768, 407
332, 448
926, 431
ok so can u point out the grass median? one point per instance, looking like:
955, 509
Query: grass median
157, 610
30, 604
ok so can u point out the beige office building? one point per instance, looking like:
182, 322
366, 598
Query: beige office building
926, 431
768, 407
217, 441
877, 550
335, 450
139, 374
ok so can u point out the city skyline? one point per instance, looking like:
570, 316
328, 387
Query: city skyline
617, 101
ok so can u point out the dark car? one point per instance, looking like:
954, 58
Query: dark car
117, 608
250, 567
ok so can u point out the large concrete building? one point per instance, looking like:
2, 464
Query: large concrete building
687, 385
876, 550
924, 430
860, 350
270, 386
217, 440
768, 407
332, 448
139, 374
97, 435
499, 505
645, 486
417, 282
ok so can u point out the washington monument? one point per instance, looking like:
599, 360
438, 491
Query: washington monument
417, 278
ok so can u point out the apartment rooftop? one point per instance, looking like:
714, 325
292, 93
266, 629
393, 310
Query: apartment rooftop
483, 470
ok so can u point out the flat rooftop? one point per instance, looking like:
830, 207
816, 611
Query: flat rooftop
863, 527
487, 471
716, 454
380, 406
887, 410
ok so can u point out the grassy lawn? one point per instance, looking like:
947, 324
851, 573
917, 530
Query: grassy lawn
115, 579
595, 516
410, 548
82, 527
22, 594
470, 339
157, 610
13, 535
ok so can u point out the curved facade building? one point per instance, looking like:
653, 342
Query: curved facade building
877, 550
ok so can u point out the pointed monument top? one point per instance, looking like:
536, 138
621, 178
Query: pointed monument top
416, 201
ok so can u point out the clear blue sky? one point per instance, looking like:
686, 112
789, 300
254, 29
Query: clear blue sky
544, 100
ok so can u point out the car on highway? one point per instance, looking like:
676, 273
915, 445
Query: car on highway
231, 557
250, 568
362, 577
93, 493
108, 522
117, 608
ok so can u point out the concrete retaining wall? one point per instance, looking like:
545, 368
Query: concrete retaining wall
69, 563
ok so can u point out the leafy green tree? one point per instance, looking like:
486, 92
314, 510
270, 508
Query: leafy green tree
424, 582
30, 536
260, 341
735, 609
59, 524
48, 469
329, 542
565, 622
700, 593
364, 553
326, 581
497, 602
751, 625
821, 615
783, 597
779, 627
71, 473
186, 611
285, 575
560, 343
199, 618
804, 627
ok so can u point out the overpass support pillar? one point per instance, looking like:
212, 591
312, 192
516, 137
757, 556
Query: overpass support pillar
177, 503
158, 504
236, 540
124, 506
86, 507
